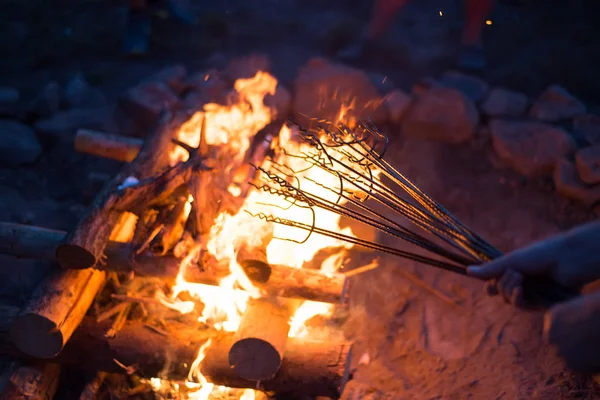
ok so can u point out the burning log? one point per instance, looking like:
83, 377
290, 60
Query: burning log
173, 228
251, 254
30, 381
313, 368
83, 247
60, 302
119, 148
56, 308
309, 368
260, 341
273, 280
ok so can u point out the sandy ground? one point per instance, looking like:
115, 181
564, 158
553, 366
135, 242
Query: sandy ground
419, 345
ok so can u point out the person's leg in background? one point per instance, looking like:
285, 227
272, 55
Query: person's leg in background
137, 35
139, 20
476, 13
382, 17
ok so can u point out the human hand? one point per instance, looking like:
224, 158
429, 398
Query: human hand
571, 259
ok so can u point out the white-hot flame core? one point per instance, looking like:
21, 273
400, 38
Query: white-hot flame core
232, 127
196, 379
306, 311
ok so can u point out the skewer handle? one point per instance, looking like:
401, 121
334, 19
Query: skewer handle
543, 293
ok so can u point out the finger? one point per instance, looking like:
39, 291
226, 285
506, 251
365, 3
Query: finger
517, 297
528, 260
491, 287
508, 285
504, 286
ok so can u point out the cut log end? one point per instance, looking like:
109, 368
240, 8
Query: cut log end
71, 256
257, 271
36, 336
254, 359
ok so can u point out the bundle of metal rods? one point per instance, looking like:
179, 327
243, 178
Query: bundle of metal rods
366, 181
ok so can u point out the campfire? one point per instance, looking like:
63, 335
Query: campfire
189, 290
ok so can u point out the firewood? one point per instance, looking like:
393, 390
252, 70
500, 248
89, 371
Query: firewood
273, 280
55, 309
158, 189
25, 241
260, 340
91, 389
83, 247
60, 302
119, 148
30, 381
173, 227
251, 253
309, 367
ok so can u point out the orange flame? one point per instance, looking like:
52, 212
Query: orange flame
232, 127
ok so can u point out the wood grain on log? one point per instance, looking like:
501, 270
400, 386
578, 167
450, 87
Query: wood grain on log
83, 247
260, 340
173, 227
119, 148
30, 381
273, 280
309, 367
26, 241
55, 309
60, 302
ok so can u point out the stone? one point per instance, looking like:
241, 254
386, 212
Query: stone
9, 101
143, 104
443, 114
247, 67
324, 90
64, 124
397, 103
471, 86
555, 104
46, 103
502, 102
587, 128
382, 82
174, 77
80, 94
202, 80
422, 86
18, 144
205, 87
218, 61
587, 161
280, 103
568, 184
531, 148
